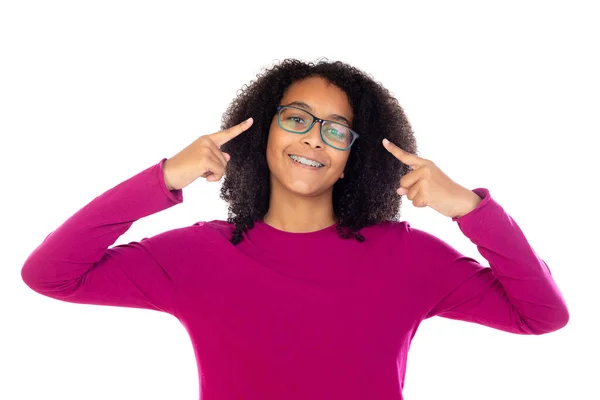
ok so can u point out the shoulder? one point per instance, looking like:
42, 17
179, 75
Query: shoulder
387, 232
418, 248
214, 227
388, 227
202, 231
401, 234
191, 241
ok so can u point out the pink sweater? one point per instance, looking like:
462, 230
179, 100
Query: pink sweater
296, 315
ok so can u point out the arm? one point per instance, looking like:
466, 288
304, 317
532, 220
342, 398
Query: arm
74, 263
515, 294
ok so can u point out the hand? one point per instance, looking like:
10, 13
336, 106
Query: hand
202, 158
427, 185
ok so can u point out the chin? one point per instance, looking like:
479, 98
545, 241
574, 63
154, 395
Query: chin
305, 188
299, 181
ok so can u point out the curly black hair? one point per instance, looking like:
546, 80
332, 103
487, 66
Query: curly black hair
367, 194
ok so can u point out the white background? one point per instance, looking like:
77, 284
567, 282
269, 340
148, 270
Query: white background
502, 95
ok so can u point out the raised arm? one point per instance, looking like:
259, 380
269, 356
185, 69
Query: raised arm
515, 294
75, 264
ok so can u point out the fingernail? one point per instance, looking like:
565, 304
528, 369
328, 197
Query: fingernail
385, 141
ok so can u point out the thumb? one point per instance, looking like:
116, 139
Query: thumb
227, 156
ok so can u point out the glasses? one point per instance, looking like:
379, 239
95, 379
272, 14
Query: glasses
297, 120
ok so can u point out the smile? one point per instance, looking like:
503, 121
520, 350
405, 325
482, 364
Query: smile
306, 162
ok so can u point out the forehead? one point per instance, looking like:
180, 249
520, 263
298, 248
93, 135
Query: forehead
323, 96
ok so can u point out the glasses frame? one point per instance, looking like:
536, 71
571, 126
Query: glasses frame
315, 120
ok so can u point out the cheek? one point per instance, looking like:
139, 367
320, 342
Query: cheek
275, 145
339, 161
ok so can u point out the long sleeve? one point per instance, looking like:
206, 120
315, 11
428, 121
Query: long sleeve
74, 262
515, 294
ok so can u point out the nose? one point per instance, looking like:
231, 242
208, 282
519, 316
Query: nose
313, 136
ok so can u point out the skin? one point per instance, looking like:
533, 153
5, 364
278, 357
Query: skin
428, 186
301, 199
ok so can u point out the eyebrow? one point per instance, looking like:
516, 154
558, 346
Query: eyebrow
302, 104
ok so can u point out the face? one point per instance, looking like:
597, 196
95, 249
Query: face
323, 100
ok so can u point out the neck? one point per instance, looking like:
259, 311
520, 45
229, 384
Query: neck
291, 212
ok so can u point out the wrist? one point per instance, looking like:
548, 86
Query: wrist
471, 202
165, 176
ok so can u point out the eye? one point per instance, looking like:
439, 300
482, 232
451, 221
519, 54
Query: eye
335, 132
297, 119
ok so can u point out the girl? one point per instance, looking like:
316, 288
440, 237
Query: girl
312, 288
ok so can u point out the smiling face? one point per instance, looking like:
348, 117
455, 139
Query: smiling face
324, 100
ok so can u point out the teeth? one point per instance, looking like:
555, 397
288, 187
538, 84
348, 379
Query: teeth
306, 161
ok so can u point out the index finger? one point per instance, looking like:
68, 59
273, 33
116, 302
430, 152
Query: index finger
222, 137
407, 158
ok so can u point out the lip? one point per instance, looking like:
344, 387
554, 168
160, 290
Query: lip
305, 166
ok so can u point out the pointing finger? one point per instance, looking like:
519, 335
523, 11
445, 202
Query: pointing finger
407, 158
222, 137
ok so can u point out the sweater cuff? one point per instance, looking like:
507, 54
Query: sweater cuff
486, 212
176, 196
485, 200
